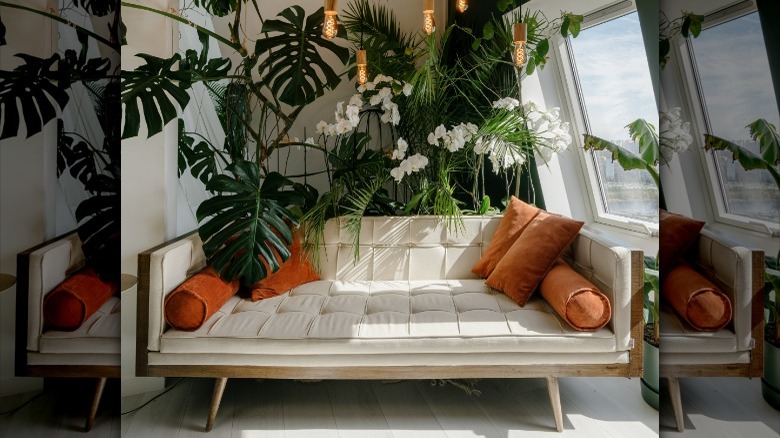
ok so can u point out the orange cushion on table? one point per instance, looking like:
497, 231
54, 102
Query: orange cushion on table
677, 234
696, 299
76, 299
516, 218
292, 273
197, 299
578, 301
531, 256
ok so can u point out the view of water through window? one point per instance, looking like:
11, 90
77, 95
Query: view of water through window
737, 90
616, 89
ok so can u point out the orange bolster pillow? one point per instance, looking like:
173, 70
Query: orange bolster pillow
74, 300
297, 270
197, 299
578, 301
696, 299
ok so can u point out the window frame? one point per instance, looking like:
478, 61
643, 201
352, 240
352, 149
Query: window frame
571, 99
693, 99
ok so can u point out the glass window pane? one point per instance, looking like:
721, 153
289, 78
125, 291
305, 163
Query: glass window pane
616, 89
737, 89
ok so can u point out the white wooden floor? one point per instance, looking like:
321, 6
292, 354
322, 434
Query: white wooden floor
56, 415
345, 409
598, 407
720, 407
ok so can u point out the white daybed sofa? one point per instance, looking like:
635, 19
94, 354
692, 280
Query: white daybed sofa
737, 349
91, 351
409, 308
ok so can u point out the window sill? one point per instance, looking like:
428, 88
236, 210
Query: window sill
641, 240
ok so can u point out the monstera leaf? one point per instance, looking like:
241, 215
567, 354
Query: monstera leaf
200, 157
625, 158
248, 220
99, 223
31, 85
99, 8
294, 69
148, 87
220, 8
748, 160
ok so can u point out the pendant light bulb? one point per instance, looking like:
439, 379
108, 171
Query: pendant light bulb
330, 28
461, 5
519, 32
429, 25
362, 67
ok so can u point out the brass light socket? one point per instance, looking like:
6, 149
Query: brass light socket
427, 6
520, 33
361, 57
331, 7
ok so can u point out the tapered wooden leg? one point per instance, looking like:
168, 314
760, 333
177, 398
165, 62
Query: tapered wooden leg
101, 384
674, 392
555, 401
219, 389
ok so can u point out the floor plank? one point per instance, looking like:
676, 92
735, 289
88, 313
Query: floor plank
720, 407
406, 411
308, 411
163, 416
197, 407
457, 412
259, 409
357, 411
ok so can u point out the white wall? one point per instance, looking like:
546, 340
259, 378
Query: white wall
26, 186
148, 182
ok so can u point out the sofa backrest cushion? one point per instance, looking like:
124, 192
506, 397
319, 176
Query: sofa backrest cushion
49, 266
405, 248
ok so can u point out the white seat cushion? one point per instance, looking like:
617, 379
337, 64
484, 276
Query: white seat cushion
383, 317
98, 335
677, 336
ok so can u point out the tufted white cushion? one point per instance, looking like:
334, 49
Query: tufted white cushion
410, 289
336, 317
99, 334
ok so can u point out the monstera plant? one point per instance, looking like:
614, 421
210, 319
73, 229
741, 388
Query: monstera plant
259, 91
36, 92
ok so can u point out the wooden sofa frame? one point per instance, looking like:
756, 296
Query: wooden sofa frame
22, 369
754, 368
551, 373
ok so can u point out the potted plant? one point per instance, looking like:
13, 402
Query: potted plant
770, 383
651, 338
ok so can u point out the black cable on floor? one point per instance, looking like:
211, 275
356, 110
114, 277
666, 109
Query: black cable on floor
13, 411
155, 397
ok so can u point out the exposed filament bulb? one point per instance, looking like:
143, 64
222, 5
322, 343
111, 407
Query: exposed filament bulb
461, 5
520, 36
520, 54
429, 25
362, 67
330, 28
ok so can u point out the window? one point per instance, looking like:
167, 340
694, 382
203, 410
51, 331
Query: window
735, 89
614, 88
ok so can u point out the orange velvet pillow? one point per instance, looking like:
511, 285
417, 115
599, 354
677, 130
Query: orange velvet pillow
516, 218
677, 233
76, 299
197, 299
532, 255
696, 299
578, 301
296, 271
